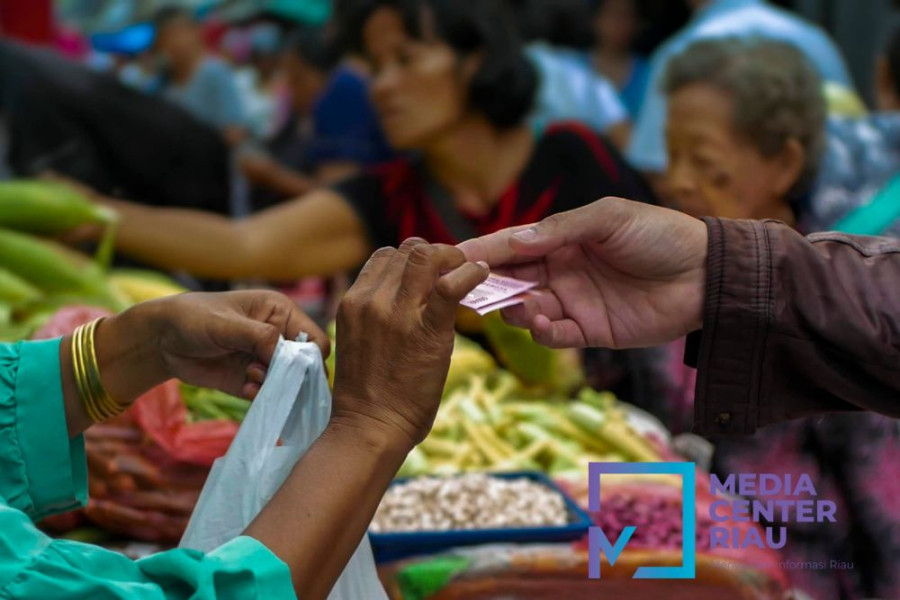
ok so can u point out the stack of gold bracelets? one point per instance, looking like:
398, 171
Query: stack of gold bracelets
98, 404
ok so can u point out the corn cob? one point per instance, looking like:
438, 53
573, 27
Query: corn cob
204, 403
614, 432
14, 290
557, 372
143, 286
50, 208
468, 359
47, 207
53, 268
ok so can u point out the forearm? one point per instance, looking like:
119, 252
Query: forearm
180, 239
794, 328
318, 234
316, 520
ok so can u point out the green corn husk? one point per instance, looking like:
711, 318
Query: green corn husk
54, 269
207, 404
16, 291
52, 208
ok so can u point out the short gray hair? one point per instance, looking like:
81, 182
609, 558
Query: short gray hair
777, 93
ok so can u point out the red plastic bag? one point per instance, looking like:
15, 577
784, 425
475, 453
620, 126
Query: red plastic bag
164, 418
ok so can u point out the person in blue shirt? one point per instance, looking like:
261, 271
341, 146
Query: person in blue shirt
332, 133
721, 18
558, 33
570, 90
202, 85
616, 24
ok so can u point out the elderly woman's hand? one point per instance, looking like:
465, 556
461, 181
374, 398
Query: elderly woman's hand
395, 332
223, 341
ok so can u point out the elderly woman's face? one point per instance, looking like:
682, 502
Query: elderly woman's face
417, 85
713, 170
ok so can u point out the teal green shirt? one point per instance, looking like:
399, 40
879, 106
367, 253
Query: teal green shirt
43, 472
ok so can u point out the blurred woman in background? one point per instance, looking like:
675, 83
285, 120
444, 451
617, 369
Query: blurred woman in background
745, 134
617, 24
452, 87
746, 129
453, 90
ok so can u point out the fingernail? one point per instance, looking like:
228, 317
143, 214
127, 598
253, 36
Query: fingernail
527, 235
483, 265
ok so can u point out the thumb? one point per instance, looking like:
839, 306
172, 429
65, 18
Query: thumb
592, 223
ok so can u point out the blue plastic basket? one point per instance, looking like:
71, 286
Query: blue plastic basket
395, 546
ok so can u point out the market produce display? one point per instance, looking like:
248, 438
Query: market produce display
472, 501
204, 404
50, 208
146, 468
39, 276
491, 421
509, 405
555, 571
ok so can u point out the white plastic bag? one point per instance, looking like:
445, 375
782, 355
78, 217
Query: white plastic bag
294, 405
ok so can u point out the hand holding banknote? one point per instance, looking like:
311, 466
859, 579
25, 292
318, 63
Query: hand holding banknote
614, 274
395, 331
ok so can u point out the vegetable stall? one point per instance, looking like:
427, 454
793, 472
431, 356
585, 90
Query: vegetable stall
494, 502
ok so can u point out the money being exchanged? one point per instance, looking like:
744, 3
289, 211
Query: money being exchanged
497, 292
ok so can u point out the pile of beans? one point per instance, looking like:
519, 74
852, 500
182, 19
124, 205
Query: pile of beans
471, 501
658, 521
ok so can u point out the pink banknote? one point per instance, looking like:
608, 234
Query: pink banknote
497, 292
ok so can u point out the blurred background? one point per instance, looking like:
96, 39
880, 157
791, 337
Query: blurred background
857, 26
247, 143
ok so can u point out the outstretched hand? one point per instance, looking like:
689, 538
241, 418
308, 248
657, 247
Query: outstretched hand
614, 274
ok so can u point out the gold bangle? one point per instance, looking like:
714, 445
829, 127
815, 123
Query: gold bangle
98, 404
110, 407
81, 378
78, 369
107, 405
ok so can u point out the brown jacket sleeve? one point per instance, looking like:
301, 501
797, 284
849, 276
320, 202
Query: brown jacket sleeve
796, 326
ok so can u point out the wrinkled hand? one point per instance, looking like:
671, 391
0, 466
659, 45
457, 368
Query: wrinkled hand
223, 341
615, 274
395, 331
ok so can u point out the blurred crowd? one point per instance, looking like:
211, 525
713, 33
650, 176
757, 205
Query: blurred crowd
266, 150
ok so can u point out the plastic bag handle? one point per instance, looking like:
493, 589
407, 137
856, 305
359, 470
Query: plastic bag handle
270, 412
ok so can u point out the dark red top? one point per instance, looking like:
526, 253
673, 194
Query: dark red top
571, 167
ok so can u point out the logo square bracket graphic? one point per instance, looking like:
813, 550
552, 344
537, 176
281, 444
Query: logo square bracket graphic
599, 543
